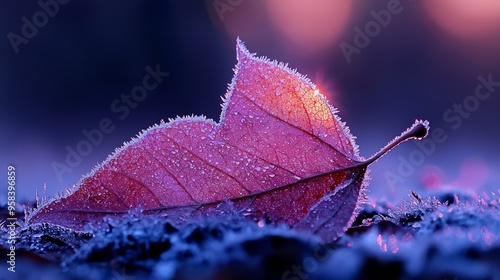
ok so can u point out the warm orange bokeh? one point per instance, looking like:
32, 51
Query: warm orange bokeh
310, 25
464, 18
305, 28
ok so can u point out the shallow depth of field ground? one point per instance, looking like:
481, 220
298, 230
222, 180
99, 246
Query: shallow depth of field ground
443, 235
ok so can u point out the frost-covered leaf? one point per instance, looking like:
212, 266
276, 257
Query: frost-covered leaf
279, 153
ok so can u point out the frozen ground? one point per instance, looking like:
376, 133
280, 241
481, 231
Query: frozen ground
437, 236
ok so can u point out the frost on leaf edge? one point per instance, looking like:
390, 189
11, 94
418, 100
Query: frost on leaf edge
242, 52
31, 211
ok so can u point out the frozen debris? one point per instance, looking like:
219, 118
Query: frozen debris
46, 240
442, 236
455, 214
152, 244
411, 212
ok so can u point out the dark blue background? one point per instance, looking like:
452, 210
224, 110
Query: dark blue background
89, 53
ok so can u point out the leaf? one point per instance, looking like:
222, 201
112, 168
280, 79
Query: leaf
279, 153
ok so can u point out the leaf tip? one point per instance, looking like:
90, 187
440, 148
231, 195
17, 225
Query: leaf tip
241, 50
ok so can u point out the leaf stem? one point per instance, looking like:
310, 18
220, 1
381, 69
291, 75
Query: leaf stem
418, 131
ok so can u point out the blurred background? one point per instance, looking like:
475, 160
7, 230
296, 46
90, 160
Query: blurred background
64, 66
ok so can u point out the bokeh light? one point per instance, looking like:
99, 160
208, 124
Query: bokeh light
466, 19
432, 177
473, 174
311, 26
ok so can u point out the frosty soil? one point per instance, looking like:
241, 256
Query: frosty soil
309, 265
432, 235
